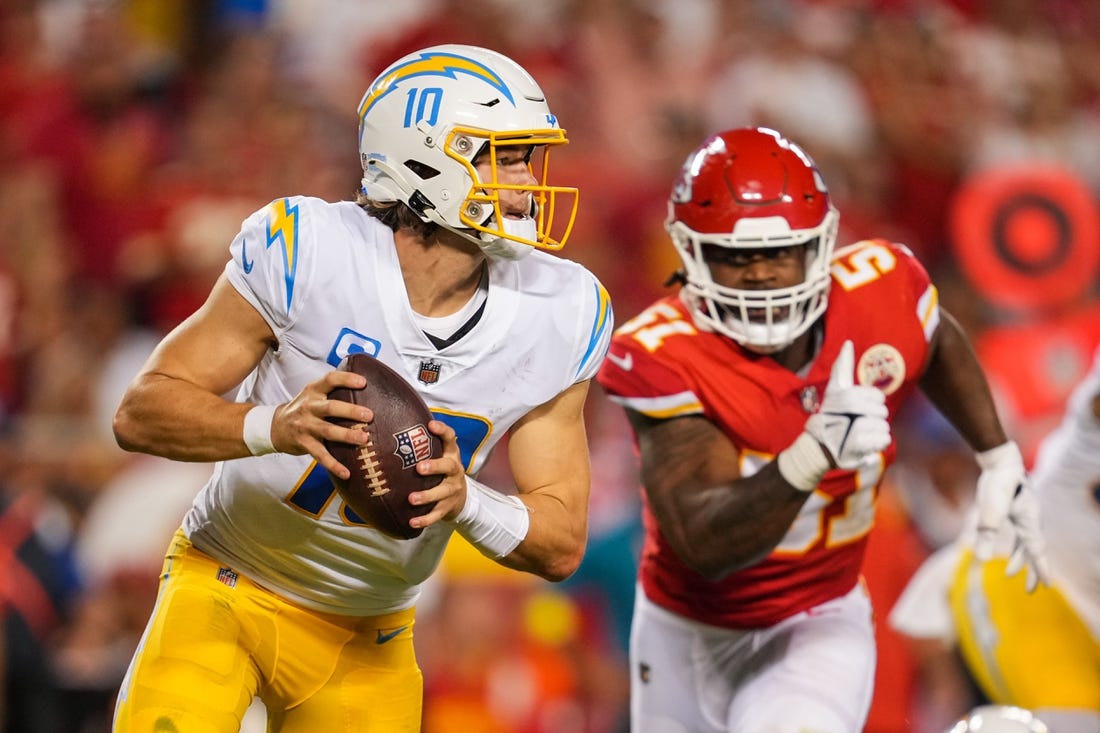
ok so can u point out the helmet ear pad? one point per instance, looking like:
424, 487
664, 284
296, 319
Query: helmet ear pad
750, 189
427, 116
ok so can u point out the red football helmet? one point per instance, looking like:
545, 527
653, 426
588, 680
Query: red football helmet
751, 188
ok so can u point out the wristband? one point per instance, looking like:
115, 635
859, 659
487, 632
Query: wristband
803, 463
257, 429
1008, 453
493, 522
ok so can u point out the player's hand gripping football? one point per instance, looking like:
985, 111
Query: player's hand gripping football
1005, 495
851, 424
449, 496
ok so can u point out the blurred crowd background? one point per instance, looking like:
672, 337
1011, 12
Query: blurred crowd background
136, 135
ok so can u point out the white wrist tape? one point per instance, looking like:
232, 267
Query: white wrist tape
1006, 453
803, 463
493, 522
257, 429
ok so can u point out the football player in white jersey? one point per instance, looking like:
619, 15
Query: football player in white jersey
1039, 651
272, 588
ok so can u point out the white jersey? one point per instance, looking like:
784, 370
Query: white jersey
1067, 478
326, 278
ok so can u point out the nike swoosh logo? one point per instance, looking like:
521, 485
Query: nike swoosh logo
383, 638
834, 422
626, 363
245, 262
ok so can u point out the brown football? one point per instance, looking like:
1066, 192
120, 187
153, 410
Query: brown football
383, 472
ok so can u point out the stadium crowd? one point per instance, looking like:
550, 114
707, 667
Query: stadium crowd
135, 135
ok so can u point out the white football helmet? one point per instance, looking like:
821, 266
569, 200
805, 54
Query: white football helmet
999, 719
751, 188
426, 117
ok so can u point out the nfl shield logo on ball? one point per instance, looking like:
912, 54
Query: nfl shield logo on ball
413, 445
429, 371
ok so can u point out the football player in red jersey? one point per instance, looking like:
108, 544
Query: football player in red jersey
761, 398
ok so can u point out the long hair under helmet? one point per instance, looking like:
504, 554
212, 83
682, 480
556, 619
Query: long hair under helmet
424, 120
751, 188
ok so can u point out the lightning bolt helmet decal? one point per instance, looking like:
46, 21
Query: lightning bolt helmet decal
429, 115
430, 63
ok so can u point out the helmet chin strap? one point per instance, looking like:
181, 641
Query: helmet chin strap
757, 334
498, 248
506, 249
501, 248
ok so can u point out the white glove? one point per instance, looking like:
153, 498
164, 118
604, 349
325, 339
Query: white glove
850, 426
1004, 493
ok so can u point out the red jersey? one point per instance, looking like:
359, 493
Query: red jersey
662, 366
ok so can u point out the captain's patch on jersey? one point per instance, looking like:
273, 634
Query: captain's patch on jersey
881, 366
413, 445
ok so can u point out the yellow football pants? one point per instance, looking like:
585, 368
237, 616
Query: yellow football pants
1030, 650
216, 640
